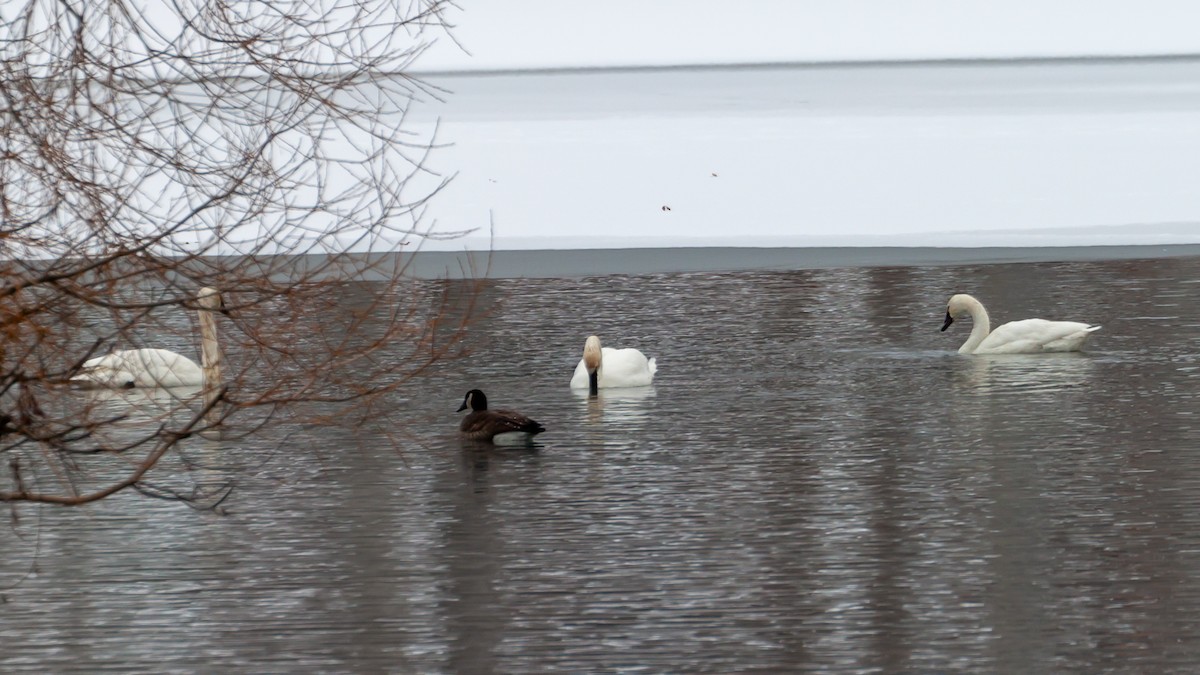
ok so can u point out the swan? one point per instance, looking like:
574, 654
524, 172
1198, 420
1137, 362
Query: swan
162, 367
610, 368
501, 427
1016, 337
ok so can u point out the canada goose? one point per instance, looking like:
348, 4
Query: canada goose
1016, 337
608, 368
501, 427
162, 367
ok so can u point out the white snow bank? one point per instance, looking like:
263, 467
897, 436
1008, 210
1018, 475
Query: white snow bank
1067, 154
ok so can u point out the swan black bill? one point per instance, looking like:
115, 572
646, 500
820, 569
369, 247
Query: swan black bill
949, 320
594, 383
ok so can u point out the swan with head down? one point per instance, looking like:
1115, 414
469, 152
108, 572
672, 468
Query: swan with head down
608, 368
162, 367
1029, 336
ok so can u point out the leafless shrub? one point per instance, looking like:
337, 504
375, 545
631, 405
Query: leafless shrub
148, 150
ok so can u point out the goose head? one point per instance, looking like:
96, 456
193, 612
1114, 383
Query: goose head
475, 400
958, 306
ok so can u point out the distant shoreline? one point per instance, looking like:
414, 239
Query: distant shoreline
1098, 59
575, 263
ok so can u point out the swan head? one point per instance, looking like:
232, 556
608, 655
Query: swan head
591, 354
475, 400
210, 298
960, 305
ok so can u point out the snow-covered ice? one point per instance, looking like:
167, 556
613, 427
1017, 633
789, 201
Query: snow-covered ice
967, 154
1017, 153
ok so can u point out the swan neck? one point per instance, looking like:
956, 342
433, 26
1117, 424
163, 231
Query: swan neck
980, 328
592, 355
211, 360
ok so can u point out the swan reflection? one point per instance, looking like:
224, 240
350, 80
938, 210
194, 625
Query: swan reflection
1027, 372
620, 406
135, 412
199, 468
148, 404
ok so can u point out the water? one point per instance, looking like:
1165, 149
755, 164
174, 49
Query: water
816, 482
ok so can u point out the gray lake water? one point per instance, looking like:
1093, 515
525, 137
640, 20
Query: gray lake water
815, 482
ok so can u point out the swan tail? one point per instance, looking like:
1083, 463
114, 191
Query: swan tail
1091, 329
652, 366
85, 380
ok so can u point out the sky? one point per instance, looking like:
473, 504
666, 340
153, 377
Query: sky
518, 34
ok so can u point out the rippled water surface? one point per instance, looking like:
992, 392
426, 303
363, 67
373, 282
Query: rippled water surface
815, 482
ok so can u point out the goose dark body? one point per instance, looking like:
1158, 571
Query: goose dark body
484, 425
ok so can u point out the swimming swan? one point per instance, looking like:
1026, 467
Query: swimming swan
610, 368
1016, 337
501, 427
162, 367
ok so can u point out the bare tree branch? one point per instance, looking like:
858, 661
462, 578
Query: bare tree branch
265, 149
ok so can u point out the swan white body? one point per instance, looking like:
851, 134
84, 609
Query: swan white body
161, 367
1029, 336
614, 368
141, 368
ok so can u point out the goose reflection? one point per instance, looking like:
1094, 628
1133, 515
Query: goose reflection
1027, 372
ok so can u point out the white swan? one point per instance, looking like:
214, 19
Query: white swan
162, 367
1016, 337
610, 368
